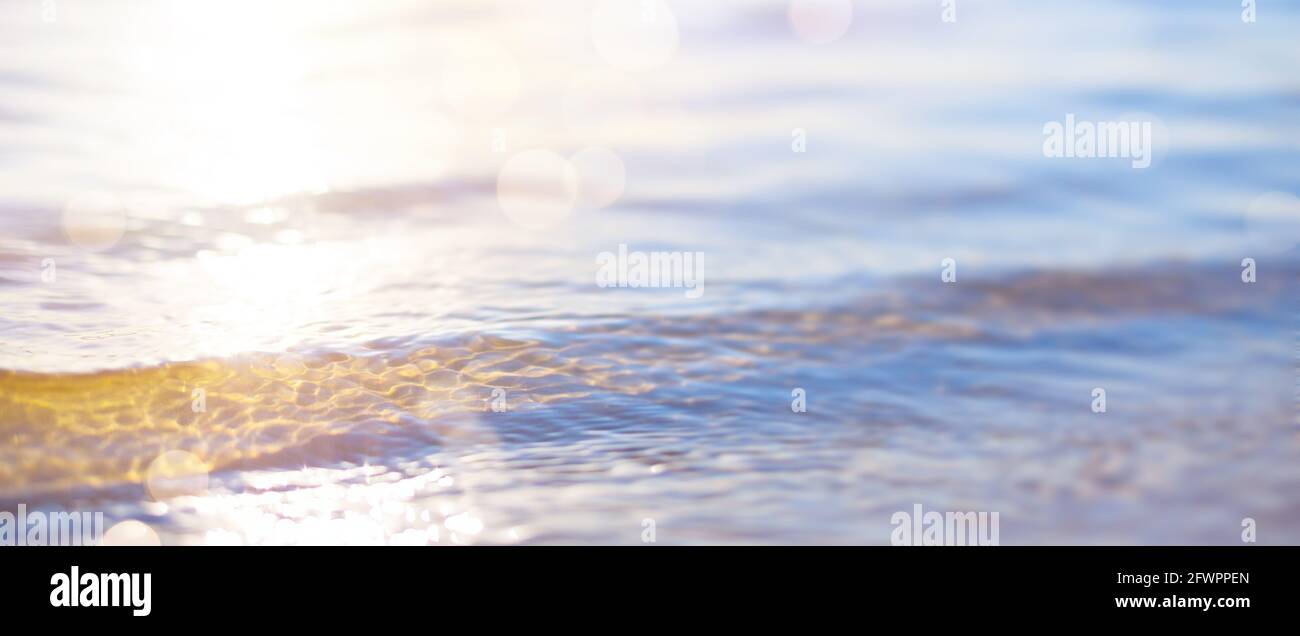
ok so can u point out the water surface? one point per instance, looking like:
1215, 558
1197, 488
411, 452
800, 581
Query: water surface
311, 236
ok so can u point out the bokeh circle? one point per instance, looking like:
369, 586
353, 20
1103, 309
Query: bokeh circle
820, 21
537, 189
602, 177
634, 35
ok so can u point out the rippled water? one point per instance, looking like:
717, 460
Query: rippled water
312, 240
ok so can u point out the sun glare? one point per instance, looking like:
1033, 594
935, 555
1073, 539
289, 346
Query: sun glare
220, 99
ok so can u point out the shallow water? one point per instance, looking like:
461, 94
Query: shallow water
313, 240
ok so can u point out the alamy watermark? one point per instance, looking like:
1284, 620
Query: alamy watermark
92, 589
921, 527
651, 269
1103, 139
37, 528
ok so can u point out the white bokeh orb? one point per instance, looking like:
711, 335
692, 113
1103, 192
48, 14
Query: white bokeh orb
131, 533
1156, 149
820, 21
176, 473
601, 174
537, 189
634, 35
94, 221
1273, 221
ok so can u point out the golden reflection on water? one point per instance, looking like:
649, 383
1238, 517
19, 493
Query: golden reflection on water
101, 429
105, 428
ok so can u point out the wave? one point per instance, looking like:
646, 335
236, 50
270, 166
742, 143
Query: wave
77, 430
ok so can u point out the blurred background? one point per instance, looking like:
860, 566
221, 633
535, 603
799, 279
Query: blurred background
264, 267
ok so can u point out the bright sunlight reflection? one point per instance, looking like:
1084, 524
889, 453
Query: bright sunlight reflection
225, 118
240, 102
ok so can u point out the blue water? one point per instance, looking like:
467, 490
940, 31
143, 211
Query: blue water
312, 235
